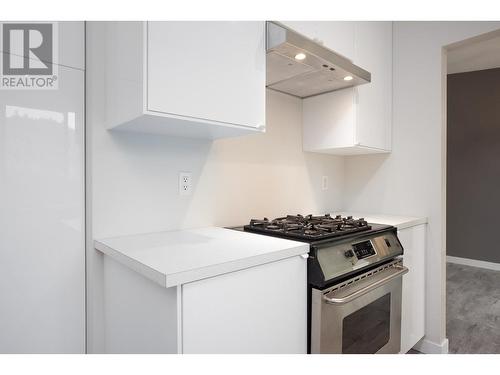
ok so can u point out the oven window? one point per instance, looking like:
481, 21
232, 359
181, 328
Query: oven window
367, 330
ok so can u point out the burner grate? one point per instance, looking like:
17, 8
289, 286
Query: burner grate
308, 227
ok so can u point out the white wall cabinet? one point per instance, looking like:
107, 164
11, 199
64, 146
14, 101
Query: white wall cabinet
356, 120
193, 79
337, 36
373, 51
413, 306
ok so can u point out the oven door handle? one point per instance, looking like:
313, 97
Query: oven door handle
382, 278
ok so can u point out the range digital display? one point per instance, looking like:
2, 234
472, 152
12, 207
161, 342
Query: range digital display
363, 249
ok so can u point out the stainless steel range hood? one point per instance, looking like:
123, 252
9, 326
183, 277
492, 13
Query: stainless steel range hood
301, 67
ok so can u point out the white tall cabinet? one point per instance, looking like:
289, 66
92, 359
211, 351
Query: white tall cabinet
42, 255
355, 120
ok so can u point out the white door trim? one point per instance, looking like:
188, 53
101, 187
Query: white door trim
430, 347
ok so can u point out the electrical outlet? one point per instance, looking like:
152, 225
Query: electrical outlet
324, 183
185, 183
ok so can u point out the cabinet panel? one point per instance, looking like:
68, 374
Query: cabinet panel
413, 309
249, 311
72, 44
68, 46
373, 52
328, 121
337, 36
42, 255
122, 45
140, 316
208, 70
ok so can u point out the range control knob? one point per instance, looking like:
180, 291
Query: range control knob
349, 254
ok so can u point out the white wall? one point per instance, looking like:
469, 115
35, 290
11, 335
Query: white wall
134, 177
409, 181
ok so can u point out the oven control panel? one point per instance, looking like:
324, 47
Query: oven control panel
333, 259
363, 249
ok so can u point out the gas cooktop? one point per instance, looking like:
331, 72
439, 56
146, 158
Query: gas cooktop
309, 228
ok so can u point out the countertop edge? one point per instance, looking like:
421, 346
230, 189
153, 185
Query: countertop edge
412, 223
213, 270
196, 274
131, 263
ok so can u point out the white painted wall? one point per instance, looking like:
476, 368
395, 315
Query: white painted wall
134, 177
410, 181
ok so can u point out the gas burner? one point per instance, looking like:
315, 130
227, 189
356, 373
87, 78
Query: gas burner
309, 227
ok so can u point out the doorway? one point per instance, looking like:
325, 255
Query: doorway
473, 195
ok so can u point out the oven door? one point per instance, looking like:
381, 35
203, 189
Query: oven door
361, 315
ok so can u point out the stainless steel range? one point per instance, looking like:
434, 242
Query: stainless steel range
354, 278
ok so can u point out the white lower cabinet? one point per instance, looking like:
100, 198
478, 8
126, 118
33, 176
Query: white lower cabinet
257, 310
413, 309
261, 309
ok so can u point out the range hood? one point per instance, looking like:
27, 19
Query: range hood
299, 66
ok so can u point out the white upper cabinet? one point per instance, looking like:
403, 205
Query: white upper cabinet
373, 52
194, 79
337, 36
216, 68
355, 120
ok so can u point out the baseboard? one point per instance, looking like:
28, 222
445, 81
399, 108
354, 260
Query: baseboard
430, 347
474, 263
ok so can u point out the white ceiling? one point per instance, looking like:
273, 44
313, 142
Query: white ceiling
478, 55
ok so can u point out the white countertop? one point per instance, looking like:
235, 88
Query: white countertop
179, 257
400, 222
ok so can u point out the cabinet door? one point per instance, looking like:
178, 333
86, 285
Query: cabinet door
42, 253
413, 310
208, 70
335, 35
373, 52
261, 309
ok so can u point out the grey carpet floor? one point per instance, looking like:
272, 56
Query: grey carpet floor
472, 309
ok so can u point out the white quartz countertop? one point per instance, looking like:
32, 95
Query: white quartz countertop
400, 222
179, 257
